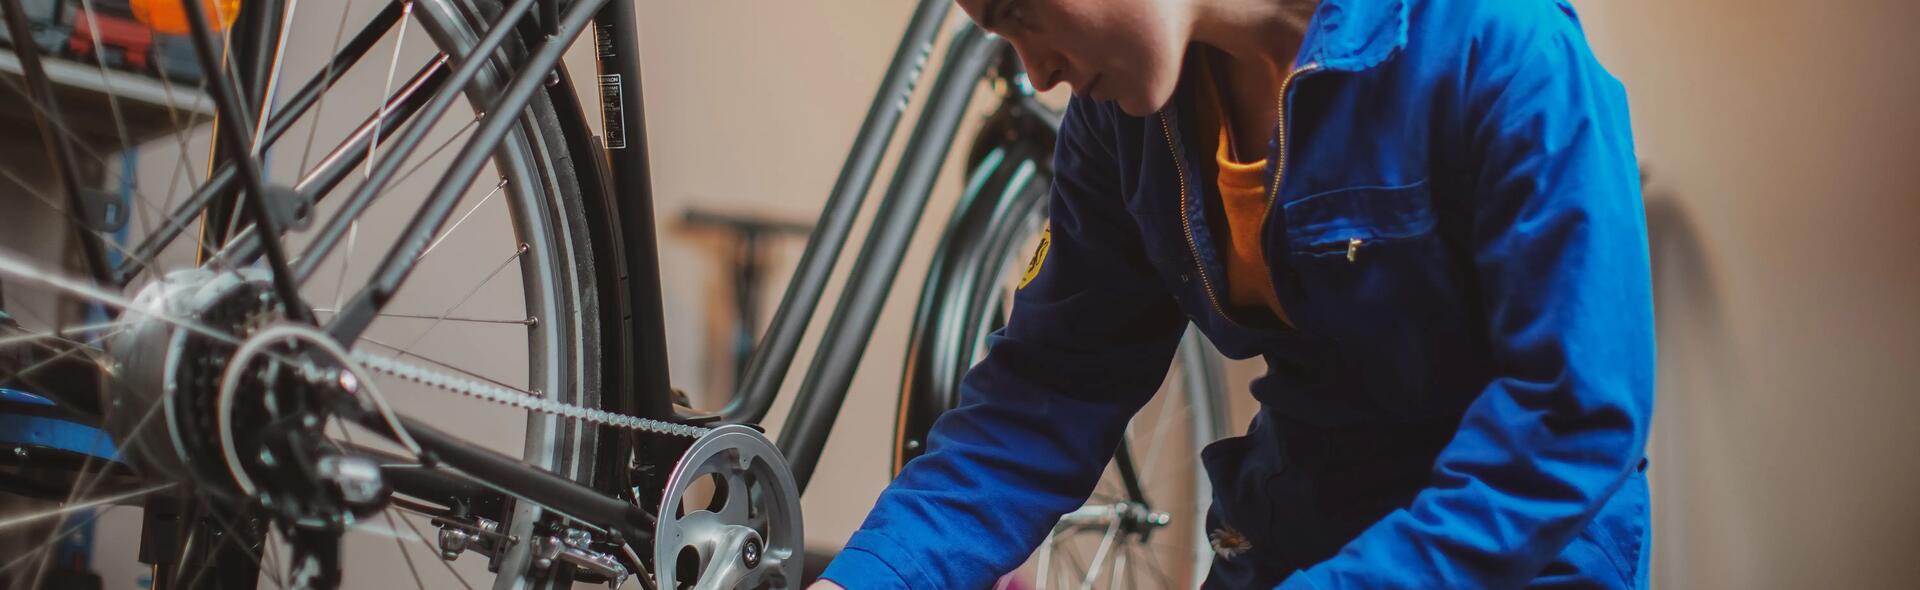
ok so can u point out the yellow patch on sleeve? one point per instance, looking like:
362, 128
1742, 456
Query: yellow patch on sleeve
1039, 257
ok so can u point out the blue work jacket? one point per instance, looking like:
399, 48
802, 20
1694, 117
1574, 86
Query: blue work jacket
1464, 396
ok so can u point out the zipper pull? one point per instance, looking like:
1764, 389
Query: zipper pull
1353, 248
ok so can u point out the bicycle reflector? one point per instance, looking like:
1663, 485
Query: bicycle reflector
169, 17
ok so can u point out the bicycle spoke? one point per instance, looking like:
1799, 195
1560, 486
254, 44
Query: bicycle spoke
60, 128
444, 563
522, 251
113, 93
525, 322
383, 153
83, 488
273, 78
73, 217
54, 539
179, 134
1100, 555
1157, 435
1153, 564
23, 374
227, 102
449, 366
110, 327
14, 521
417, 535
27, 274
1073, 556
397, 265
310, 95
74, 139
457, 135
319, 107
463, 219
1045, 567
393, 65
233, 532
401, 545
336, 166
206, 564
346, 262
357, 202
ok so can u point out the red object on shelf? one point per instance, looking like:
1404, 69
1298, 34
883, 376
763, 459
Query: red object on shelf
126, 43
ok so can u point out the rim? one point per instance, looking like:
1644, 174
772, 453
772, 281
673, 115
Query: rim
552, 294
1109, 542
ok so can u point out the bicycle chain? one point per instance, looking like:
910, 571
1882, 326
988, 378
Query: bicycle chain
523, 400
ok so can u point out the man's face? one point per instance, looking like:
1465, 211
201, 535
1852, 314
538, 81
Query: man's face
1126, 51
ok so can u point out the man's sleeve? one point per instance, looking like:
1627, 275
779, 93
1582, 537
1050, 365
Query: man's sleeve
1089, 341
1559, 245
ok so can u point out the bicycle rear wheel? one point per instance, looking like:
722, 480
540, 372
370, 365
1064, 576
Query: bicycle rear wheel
514, 270
1141, 528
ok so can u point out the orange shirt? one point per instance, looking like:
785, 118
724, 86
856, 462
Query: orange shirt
1242, 192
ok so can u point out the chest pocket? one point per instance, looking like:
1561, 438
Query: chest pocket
1376, 279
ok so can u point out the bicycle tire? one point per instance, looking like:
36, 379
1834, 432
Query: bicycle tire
559, 210
961, 303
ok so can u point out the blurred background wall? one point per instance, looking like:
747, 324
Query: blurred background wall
1779, 141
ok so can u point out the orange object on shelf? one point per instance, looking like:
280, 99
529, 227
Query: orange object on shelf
170, 16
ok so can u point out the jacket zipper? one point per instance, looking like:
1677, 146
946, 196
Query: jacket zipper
1186, 221
1280, 168
1186, 225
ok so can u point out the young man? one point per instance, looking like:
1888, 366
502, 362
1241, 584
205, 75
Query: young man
1423, 214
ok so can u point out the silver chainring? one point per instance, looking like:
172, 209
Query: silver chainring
748, 535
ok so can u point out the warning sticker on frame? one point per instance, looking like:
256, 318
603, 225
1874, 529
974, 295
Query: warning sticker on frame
613, 114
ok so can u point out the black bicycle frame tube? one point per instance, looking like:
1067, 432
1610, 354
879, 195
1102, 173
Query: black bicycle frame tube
643, 374
59, 147
234, 126
337, 164
248, 63
771, 360
383, 170
221, 182
512, 476
804, 436
359, 312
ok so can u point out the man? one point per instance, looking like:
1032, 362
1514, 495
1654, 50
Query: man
1423, 214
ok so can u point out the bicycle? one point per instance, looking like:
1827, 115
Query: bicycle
231, 398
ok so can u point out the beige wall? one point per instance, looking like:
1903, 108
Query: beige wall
1780, 140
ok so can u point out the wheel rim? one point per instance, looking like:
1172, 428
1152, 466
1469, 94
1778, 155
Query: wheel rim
1165, 437
552, 293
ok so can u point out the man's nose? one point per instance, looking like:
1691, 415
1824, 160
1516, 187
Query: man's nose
1043, 67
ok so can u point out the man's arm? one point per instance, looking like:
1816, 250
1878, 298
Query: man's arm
1089, 341
1560, 249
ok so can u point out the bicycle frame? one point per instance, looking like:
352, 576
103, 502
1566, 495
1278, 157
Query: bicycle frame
646, 388
823, 392
641, 386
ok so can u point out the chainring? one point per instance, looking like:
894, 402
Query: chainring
729, 517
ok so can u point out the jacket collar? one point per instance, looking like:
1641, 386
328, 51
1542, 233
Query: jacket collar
1354, 35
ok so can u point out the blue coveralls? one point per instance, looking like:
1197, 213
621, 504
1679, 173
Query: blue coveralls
1462, 403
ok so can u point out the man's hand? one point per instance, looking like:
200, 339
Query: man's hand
825, 585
